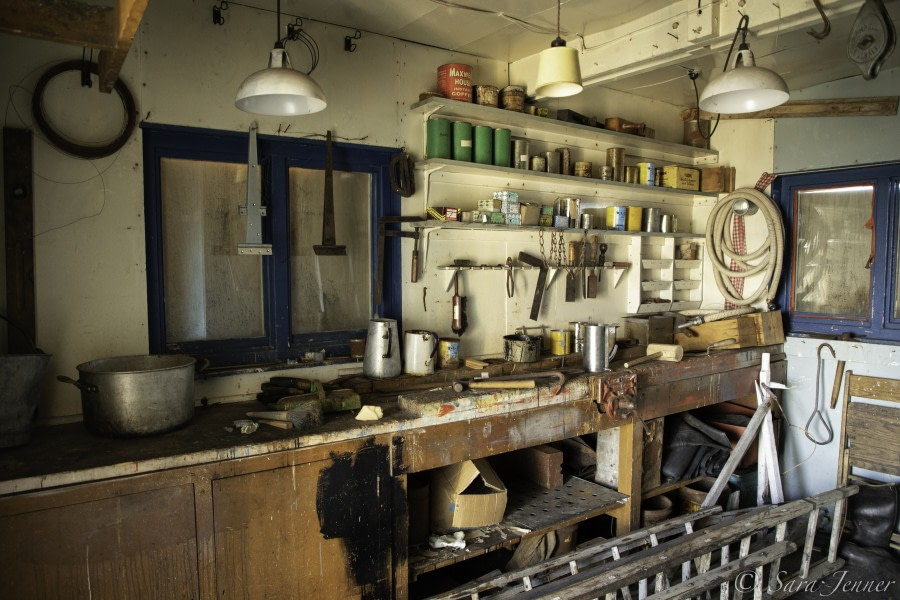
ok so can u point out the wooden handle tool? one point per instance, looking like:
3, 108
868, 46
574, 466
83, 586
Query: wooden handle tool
522, 384
670, 352
643, 359
838, 376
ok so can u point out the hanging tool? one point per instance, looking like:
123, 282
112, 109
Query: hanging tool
817, 412
253, 210
541, 282
329, 246
402, 171
414, 277
458, 324
510, 278
383, 232
593, 259
601, 259
839, 373
571, 280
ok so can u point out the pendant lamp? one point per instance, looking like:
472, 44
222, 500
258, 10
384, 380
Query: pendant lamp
743, 87
559, 73
279, 90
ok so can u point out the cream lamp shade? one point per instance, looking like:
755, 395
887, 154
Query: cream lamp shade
279, 90
559, 73
744, 87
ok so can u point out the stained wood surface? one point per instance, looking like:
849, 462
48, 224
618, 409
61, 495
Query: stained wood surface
872, 437
18, 200
840, 107
139, 545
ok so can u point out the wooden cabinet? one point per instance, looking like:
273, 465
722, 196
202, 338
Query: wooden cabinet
308, 523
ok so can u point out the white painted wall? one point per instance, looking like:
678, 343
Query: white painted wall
808, 144
183, 70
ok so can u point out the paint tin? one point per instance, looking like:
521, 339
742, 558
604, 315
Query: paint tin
512, 97
539, 163
483, 144
633, 219
646, 173
565, 161
487, 95
448, 353
455, 81
615, 158
650, 220
615, 217
437, 134
462, 141
502, 148
668, 224
582, 168
521, 159
553, 161
560, 342
606, 173
358, 348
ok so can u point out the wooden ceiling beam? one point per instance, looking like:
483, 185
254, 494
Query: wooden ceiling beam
129, 14
845, 107
65, 21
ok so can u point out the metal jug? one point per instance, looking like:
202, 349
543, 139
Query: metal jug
382, 358
599, 347
419, 352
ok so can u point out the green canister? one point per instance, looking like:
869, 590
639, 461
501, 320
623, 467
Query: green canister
437, 144
462, 141
502, 146
484, 144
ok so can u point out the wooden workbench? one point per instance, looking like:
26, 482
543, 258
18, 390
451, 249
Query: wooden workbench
208, 513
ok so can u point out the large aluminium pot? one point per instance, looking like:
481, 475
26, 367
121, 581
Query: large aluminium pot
127, 396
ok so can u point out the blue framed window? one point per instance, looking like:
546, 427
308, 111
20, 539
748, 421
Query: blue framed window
207, 299
841, 267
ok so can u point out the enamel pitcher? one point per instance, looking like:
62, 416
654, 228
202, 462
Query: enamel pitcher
419, 352
382, 358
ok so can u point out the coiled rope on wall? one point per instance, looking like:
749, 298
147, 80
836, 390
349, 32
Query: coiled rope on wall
766, 259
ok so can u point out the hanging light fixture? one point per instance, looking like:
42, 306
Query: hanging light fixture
743, 87
279, 90
559, 73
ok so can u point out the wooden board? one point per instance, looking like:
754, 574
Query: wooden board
717, 179
872, 437
18, 200
878, 388
756, 329
846, 107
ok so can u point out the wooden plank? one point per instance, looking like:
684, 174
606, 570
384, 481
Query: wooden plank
631, 443
843, 107
128, 16
18, 202
871, 439
64, 21
877, 388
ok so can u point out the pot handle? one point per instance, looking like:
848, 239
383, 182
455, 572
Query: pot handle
434, 348
84, 387
389, 339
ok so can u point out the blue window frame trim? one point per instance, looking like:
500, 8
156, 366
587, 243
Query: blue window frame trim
276, 155
879, 326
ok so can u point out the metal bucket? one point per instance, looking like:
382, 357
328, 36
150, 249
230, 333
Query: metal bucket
21, 377
127, 396
522, 348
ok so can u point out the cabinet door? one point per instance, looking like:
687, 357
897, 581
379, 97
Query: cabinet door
136, 546
317, 529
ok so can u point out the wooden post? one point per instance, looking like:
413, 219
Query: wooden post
631, 452
18, 200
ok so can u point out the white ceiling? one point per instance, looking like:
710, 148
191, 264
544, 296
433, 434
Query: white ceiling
801, 59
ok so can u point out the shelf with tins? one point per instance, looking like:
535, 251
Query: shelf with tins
551, 131
455, 172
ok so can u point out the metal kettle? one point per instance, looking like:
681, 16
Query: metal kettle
382, 358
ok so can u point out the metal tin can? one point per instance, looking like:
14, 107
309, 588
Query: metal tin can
668, 224
631, 175
615, 158
484, 144
650, 221
539, 163
487, 95
565, 161
587, 221
448, 353
553, 161
462, 141
560, 342
646, 173
437, 138
606, 173
520, 157
502, 147
582, 168
512, 97
455, 81
577, 329
633, 220
615, 217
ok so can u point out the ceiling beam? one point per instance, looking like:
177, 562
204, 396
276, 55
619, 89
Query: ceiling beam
65, 21
846, 107
128, 17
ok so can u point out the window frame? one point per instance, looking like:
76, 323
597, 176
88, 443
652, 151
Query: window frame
277, 154
880, 325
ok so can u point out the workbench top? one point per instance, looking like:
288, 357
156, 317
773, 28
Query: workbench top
67, 454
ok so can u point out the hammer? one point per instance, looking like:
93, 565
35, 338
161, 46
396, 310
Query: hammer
521, 381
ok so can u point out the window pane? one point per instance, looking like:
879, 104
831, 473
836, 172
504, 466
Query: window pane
335, 295
897, 261
212, 292
832, 248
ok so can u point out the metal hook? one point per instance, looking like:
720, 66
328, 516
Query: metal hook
825, 345
218, 18
826, 28
349, 46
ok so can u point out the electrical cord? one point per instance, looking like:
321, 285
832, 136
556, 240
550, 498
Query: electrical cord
770, 253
